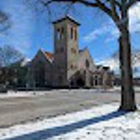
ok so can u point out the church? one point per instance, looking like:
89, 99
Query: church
67, 66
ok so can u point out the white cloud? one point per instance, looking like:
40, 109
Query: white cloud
136, 58
134, 14
94, 34
110, 29
112, 63
99, 32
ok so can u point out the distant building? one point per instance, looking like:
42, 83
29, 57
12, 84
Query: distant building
14, 75
103, 77
136, 81
117, 80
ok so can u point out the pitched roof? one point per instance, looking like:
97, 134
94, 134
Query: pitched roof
49, 55
65, 18
101, 67
84, 49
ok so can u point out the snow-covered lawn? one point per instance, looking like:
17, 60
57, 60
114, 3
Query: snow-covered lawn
99, 123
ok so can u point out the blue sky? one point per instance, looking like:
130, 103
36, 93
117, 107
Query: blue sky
31, 30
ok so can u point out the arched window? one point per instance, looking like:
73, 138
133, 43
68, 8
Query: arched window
58, 34
96, 80
87, 64
75, 34
71, 33
62, 33
60, 79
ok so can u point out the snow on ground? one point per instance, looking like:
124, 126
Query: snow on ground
99, 123
35, 93
22, 93
15, 94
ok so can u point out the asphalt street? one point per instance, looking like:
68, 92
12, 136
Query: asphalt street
14, 110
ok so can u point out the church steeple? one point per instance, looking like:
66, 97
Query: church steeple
66, 18
65, 49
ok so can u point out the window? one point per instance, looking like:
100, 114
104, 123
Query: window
60, 79
58, 34
71, 33
71, 66
59, 50
75, 34
73, 50
62, 33
96, 82
87, 64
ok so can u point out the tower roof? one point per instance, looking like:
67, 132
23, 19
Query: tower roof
66, 18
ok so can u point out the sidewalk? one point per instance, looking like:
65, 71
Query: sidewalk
101, 122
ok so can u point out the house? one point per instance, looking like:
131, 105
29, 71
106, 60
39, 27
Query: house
103, 77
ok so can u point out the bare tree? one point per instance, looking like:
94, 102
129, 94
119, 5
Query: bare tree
9, 55
117, 10
135, 59
135, 56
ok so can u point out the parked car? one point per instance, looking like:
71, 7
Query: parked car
3, 88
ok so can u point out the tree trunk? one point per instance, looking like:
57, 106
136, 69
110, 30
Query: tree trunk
127, 91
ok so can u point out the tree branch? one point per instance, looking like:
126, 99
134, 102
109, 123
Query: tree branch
131, 2
87, 3
110, 12
114, 10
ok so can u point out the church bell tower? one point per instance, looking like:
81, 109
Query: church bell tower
65, 51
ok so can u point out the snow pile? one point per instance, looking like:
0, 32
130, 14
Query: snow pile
21, 94
102, 122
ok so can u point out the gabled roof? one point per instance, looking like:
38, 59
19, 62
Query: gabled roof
106, 67
49, 55
66, 18
83, 50
101, 67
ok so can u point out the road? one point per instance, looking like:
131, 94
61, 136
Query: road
14, 110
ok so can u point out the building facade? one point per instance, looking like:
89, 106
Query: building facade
67, 66
103, 77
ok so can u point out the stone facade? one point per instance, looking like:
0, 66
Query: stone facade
65, 51
67, 66
103, 77
41, 70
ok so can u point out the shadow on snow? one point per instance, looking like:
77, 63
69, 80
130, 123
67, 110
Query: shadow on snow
59, 130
